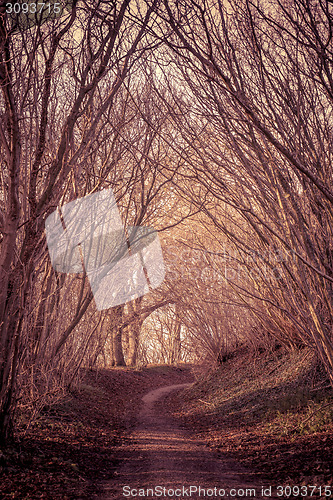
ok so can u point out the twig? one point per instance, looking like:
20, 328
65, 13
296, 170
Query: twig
205, 402
320, 388
314, 413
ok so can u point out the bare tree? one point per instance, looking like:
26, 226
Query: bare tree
60, 80
255, 114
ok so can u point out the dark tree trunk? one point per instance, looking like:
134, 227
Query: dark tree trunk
117, 334
133, 342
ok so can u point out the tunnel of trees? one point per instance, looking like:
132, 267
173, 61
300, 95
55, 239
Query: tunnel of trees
212, 122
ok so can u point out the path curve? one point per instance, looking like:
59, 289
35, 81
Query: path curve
160, 453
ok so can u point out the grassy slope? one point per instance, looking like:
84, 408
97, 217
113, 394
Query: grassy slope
268, 411
71, 447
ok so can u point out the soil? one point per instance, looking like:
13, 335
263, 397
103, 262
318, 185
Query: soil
161, 454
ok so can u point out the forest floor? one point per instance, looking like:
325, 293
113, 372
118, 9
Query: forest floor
272, 414
73, 447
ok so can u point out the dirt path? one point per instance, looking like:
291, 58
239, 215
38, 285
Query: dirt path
161, 454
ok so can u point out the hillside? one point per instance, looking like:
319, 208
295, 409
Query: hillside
272, 412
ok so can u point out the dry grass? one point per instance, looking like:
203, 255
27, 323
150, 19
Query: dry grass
271, 411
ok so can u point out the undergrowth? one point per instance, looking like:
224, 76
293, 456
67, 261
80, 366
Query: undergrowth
271, 410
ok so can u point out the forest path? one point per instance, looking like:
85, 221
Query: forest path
160, 453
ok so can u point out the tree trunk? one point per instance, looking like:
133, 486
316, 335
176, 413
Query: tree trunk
176, 342
133, 342
117, 334
118, 348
